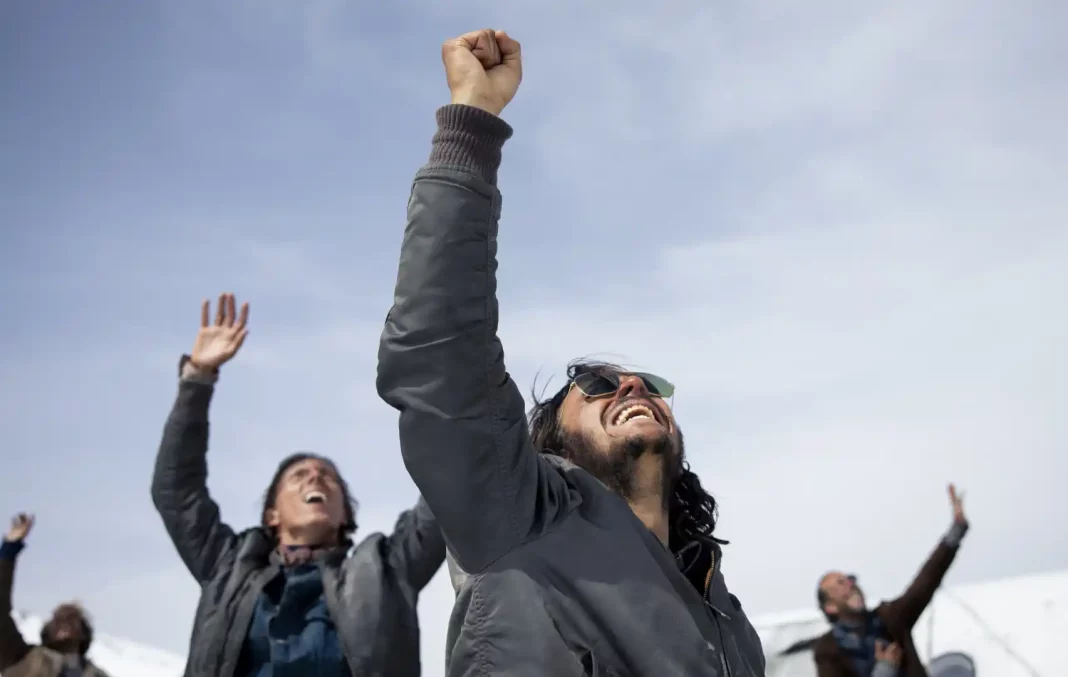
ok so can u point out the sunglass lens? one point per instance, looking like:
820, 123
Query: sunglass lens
657, 385
595, 385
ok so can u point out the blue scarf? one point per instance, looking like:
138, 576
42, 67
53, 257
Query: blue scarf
857, 642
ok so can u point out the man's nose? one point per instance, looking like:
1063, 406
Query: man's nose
631, 386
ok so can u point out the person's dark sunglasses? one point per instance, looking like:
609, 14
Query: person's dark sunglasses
601, 385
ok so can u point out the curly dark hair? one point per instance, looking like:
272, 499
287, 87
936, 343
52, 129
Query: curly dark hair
351, 504
692, 511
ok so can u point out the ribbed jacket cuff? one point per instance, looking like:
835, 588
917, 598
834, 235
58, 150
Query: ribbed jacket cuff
471, 139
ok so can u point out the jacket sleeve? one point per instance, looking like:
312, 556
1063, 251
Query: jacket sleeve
907, 608
828, 666
463, 429
828, 661
179, 483
13, 648
456, 575
417, 547
753, 641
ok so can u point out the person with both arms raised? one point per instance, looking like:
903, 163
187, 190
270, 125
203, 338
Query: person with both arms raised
286, 598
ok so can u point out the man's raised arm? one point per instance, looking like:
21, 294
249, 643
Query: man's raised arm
909, 607
463, 431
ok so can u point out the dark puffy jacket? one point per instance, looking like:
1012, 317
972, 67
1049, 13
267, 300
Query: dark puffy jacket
563, 579
371, 593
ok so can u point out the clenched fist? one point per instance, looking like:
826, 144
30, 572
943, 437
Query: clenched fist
483, 69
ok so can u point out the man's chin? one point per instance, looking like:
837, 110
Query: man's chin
655, 441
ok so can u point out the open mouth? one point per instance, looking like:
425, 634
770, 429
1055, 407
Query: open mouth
316, 497
634, 412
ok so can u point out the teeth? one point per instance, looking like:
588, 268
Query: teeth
313, 496
633, 412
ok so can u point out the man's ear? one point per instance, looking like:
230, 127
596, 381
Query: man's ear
830, 608
270, 517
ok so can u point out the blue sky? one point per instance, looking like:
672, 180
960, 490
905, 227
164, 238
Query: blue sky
839, 228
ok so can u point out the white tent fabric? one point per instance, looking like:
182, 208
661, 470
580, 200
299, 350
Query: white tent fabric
1014, 627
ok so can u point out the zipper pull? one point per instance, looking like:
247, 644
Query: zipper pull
718, 611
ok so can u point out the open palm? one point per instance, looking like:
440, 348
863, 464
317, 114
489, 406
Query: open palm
956, 502
216, 343
21, 525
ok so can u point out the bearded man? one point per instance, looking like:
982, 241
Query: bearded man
595, 556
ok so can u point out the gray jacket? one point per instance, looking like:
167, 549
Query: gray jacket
563, 579
371, 593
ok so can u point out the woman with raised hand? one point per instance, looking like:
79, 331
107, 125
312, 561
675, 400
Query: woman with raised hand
286, 597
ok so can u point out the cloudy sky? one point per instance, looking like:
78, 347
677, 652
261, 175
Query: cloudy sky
839, 228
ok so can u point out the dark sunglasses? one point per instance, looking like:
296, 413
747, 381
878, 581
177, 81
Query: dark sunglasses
601, 385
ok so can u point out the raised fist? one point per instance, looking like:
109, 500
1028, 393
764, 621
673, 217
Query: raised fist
483, 69
217, 343
21, 526
888, 653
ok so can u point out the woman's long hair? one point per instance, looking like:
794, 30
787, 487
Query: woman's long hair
692, 511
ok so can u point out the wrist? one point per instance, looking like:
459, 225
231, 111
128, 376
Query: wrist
475, 101
189, 370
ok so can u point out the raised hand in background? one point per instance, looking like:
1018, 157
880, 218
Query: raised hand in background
21, 526
956, 501
217, 343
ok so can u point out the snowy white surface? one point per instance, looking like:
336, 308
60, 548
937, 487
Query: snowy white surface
1010, 627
